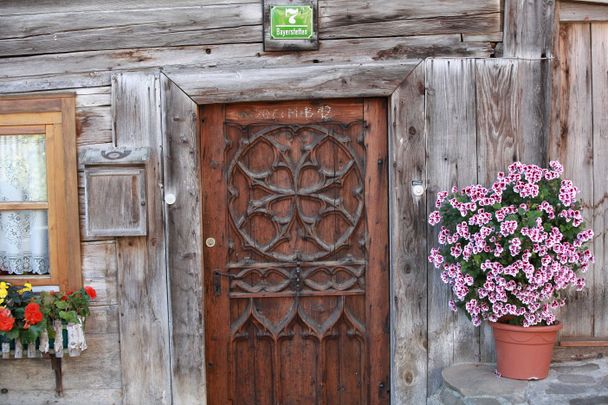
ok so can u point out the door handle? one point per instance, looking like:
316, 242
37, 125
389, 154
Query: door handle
217, 281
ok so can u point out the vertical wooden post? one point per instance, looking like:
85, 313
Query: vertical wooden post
599, 36
409, 340
573, 145
451, 151
511, 126
142, 276
56, 366
182, 179
529, 28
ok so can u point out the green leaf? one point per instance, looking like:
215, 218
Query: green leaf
13, 334
61, 304
69, 316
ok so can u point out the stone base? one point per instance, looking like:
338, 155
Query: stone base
571, 383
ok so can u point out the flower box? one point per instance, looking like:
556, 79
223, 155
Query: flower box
41, 324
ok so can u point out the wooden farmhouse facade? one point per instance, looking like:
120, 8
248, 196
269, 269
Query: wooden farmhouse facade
254, 220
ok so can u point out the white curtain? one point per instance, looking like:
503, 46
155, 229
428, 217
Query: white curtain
23, 234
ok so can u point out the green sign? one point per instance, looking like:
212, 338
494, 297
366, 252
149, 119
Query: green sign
291, 22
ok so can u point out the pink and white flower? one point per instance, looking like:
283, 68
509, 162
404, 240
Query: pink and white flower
504, 252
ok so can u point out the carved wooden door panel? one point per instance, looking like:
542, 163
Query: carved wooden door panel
295, 261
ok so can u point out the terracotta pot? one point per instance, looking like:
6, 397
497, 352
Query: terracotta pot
524, 353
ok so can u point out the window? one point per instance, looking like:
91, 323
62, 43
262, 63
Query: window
39, 221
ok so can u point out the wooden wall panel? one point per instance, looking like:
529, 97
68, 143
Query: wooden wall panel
573, 147
498, 138
451, 138
407, 141
528, 28
599, 72
70, 30
112, 25
378, 18
510, 126
314, 81
580, 12
142, 276
92, 69
184, 238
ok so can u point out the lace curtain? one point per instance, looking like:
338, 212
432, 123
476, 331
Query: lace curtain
23, 233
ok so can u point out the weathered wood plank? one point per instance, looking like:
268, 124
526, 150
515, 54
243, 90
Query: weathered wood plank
93, 125
93, 97
144, 320
529, 27
451, 135
92, 69
574, 148
590, 1
95, 368
100, 269
58, 6
561, 354
599, 71
314, 81
56, 81
409, 339
490, 37
240, 55
80, 28
510, 126
103, 320
81, 205
498, 139
184, 239
109, 28
534, 88
98, 396
340, 13
344, 26
581, 12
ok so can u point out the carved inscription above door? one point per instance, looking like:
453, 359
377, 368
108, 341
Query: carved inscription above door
299, 274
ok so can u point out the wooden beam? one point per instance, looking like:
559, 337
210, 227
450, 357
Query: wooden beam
582, 12
109, 28
529, 28
79, 27
451, 136
599, 67
313, 81
142, 277
184, 238
573, 146
577, 341
92, 69
587, 1
511, 125
409, 340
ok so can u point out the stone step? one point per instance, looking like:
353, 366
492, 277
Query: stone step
571, 383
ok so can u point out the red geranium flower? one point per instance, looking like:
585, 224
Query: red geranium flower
91, 292
32, 313
6, 320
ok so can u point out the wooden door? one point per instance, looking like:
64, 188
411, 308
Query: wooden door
296, 268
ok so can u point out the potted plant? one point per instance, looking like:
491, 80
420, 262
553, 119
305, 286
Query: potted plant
42, 320
509, 252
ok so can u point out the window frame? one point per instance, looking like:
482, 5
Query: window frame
54, 116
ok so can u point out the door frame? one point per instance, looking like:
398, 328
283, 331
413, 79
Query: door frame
403, 84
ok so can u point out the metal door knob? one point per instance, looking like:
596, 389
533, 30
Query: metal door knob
210, 242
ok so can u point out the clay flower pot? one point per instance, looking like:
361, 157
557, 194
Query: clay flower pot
524, 353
